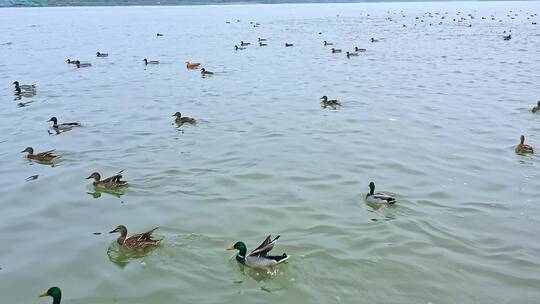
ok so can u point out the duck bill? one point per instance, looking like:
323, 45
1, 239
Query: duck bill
114, 231
90, 177
43, 294
230, 247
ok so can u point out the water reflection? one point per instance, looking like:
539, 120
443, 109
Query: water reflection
121, 256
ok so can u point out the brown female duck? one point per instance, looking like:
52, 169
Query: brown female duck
140, 241
182, 120
45, 157
112, 183
523, 148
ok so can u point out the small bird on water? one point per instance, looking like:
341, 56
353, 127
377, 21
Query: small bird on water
183, 119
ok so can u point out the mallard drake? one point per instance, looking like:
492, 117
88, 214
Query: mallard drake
537, 108
45, 157
263, 44
356, 49
63, 126
53, 292
331, 102
182, 120
69, 61
102, 55
205, 72
374, 40
192, 65
351, 54
336, 50
288, 44
378, 198
522, 148
259, 257
112, 183
242, 43
82, 65
140, 241
327, 43
236, 47
507, 37
147, 62
20, 93
24, 87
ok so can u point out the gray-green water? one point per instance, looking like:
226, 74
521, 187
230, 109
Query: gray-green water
430, 113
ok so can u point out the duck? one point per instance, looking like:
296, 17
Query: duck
378, 198
147, 62
356, 49
336, 50
82, 65
523, 148
259, 257
114, 182
327, 43
205, 72
374, 40
288, 44
351, 54
242, 43
507, 37
20, 93
182, 120
263, 44
63, 126
102, 55
69, 61
53, 292
332, 102
261, 39
236, 47
45, 157
192, 65
24, 87
159, 35
537, 108
139, 241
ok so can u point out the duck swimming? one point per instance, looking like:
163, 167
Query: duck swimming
82, 65
537, 108
182, 120
53, 292
374, 40
263, 44
114, 182
140, 241
507, 37
333, 102
378, 198
63, 126
69, 61
147, 62
43, 157
259, 257
159, 35
356, 49
24, 87
288, 44
523, 148
242, 43
336, 50
261, 39
327, 43
102, 55
192, 65
205, 72
351, 54
236, 47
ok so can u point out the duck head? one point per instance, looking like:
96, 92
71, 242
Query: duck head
29, 150
98, 53
522, 139
15, 83
145, 61
53, 292
240, 246
324, 98
120, 229
178, 114
371, 187
95, 176
54, 120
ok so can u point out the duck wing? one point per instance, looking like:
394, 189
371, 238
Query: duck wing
114, 179
266, 246
47, 153
265, 262
384, 197
147, 236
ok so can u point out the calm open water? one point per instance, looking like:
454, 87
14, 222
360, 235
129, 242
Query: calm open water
430, 113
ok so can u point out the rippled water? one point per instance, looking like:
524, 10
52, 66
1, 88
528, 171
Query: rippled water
430, 113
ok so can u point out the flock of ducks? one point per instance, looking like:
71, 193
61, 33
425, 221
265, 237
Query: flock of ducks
142, 242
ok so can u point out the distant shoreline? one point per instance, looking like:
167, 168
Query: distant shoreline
67, 3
